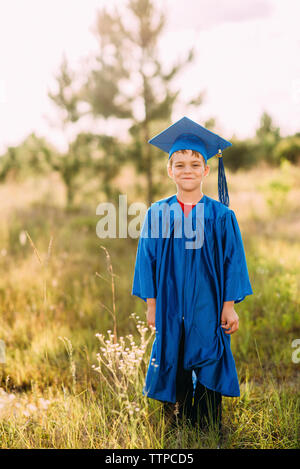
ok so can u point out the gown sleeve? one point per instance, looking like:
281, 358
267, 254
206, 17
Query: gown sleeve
236, 278
144, 280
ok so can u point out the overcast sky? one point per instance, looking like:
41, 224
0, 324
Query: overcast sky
247, 61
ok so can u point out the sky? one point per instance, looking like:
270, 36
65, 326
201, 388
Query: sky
246, 62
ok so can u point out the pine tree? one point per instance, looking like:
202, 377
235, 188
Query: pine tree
130, 82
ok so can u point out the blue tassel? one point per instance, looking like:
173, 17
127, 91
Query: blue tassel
222, 184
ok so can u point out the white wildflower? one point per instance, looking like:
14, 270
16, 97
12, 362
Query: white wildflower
22, 237
31, 407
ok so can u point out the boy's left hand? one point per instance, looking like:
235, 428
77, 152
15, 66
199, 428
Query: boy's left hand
229, 320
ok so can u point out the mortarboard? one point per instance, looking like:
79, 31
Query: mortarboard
186, 134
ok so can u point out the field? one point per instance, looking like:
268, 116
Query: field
64, 382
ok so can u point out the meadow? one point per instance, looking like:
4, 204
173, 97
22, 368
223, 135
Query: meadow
67, 381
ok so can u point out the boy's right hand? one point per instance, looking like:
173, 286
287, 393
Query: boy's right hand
151, 308
151, 304
151, 317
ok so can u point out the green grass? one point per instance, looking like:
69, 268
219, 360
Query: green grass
57, 294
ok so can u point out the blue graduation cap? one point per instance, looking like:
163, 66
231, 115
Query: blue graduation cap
186, 134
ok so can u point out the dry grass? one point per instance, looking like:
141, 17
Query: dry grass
64, 386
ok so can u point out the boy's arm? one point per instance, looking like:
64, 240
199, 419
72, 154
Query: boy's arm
151, 309
236, 279
144, 280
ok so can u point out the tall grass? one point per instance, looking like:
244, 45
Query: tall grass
77, 345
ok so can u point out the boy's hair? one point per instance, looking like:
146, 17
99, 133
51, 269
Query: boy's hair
194, 153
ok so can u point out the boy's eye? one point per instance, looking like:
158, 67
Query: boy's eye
194, 165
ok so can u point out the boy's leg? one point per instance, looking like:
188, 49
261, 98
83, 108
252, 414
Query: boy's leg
184, 390
207, 407
184, 384
168, 410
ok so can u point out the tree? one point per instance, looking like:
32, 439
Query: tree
126, 81
267, 137
267, 128
25, 159
88, 155
130, 82
242, 154
288, 148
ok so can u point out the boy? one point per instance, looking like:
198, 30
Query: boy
190, 285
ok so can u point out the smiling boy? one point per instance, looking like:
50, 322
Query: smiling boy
190, 290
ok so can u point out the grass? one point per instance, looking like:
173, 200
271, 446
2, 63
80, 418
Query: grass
76, 355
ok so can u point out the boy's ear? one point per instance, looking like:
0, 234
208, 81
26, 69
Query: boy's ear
169, 169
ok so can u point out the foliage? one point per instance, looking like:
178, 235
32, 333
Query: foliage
26, 159
267, 136
127, 80
289, 149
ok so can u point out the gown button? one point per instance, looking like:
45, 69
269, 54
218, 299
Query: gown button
182, 317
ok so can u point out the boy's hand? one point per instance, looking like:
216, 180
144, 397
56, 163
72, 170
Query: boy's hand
229, 319
151, 304
151, 317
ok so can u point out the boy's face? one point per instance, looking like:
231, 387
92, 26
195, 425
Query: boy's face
187, 170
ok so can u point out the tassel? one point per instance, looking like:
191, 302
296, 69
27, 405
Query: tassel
222, 184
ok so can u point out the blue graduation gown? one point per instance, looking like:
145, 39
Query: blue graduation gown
190, 286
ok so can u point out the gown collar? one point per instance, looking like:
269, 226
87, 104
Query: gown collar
200, 201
